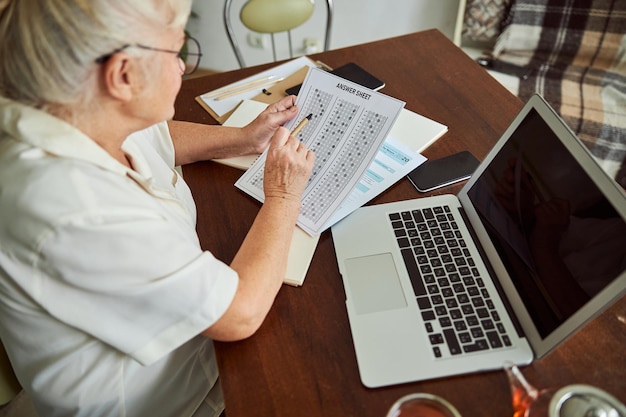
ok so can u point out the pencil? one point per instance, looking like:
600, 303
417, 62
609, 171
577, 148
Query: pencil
301, 125
248, 89
224, 91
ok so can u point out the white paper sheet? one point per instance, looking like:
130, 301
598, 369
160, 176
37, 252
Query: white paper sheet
392, 163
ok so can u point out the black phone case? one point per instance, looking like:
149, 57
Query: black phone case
352, 72
440, 172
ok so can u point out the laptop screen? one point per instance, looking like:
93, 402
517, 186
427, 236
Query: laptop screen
559, 238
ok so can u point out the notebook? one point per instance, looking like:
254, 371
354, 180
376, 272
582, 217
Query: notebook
533, 246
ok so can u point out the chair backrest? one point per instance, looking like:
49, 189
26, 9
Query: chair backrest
274, 16
9, 386
271, 16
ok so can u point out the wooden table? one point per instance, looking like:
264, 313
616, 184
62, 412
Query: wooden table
302, 362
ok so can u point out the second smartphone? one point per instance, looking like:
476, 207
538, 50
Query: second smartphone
436, 173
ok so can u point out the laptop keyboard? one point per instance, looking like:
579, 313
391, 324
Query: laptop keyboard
456, 307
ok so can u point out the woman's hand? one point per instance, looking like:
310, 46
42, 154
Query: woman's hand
288, 167
261, 262
199, 142
261, 129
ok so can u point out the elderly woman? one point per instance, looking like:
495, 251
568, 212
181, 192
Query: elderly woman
108, 305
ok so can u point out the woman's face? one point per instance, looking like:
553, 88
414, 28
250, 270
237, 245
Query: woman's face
164, 76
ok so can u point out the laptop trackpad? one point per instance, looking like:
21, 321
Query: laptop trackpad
374, 283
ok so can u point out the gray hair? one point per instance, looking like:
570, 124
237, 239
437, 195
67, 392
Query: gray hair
49, 47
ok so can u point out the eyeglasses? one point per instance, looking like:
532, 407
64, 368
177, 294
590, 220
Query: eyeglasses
188, 56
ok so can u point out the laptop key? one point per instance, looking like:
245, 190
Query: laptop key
494, 339
487, 324
414, 274
478, 301
445, 322
423, 303
476, 347
460, 325
403, 242
417, 215
400, 232
428, 315
465, 338
441, 311
418, 250
472, 321
452, 341
451, 303
429, 278
435, 339
477, 332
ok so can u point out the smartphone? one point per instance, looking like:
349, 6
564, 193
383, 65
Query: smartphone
437, 173
351, 72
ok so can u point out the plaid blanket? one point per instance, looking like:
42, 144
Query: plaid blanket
573, 52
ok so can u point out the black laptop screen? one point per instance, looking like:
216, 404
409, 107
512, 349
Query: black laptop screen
559, 238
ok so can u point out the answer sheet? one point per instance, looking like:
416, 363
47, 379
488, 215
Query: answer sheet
348, 126
392, 163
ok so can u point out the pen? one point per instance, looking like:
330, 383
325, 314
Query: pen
301, 125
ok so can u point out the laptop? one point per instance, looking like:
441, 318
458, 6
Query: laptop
532, 248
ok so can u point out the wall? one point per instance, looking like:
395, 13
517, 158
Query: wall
354, 22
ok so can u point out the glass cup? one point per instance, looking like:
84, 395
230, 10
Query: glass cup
422, 405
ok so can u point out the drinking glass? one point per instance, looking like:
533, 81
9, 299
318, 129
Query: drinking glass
527, 400
422, 405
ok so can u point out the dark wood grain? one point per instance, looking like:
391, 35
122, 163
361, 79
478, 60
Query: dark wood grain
302, 362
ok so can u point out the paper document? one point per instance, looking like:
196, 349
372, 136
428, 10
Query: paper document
348, 126
392, 163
